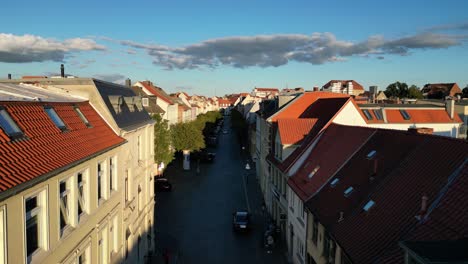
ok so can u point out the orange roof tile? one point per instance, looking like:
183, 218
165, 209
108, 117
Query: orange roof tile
421, 116
45, 147
293, 130
299, 105
267, 89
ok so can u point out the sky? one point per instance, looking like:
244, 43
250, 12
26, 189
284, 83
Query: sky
213, 47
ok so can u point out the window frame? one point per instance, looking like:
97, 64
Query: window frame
82, 116
6, 117
113, 177
41, 210
55, 118
378, 113
82, 197
367, 114
102, 182
66, 208
405, 114
3, 234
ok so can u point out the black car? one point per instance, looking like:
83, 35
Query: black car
241, 221
205, 156
162, 184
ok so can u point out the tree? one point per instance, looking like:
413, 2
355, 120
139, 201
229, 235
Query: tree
414, 92
187, 137
162, 141
397, 89
465, 92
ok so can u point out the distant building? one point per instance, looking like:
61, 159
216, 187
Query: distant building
440, 90
350, 87
265, 92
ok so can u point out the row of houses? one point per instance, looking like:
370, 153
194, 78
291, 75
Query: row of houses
76, 172
347, 182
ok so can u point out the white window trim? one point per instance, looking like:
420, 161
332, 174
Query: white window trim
43, 232
67, 209
114, 175
3, 233
104, 238
83, 198
104, 177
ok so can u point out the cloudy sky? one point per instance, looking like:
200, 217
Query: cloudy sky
218, 47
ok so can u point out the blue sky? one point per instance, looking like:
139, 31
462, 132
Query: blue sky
208, 47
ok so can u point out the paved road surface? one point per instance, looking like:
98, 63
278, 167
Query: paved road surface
194, 221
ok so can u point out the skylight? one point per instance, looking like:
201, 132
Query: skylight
367, 114
82, 116
348, 191
368, 205
312, 173
55, 118
371, 154
378, 114
335, 182
405, 114
8, 125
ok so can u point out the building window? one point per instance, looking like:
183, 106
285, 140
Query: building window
85, 256
145, 101
55, 118
378, 114
82, 184
113, 174
65, 201
3, 251
8, 125
102, 182
103, 251
367, 114
82, 117
315, 231
36, 226
405, 114
114, 235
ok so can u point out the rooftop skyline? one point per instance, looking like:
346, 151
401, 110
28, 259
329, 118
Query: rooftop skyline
212, 47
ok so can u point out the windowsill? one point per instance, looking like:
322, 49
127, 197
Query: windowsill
101, 201
82, 218
66, 231
37, 256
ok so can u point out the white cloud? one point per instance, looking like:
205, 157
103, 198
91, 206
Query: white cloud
279, 49
114, 77
30, 48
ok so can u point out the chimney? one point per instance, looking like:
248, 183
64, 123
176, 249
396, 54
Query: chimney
421, 130
450, 108
9, 76
128, 82
316, 89
62, 71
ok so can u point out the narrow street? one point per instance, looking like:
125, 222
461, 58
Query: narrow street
194, 221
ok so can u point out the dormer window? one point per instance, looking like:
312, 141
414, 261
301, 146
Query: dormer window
367, 114
405, 114
348, 191
312, 173
8, 125
55, 118
378, 114
82, 117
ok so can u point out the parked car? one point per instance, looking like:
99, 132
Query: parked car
205, 156
162, 184
240, 221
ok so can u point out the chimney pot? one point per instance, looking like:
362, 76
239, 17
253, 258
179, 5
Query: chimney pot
450, 108
9, 76
316, 89
62, 71
128, 82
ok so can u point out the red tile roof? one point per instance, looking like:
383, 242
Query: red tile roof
408, 167
336, 145
422, 116
297, 106
157, 91
322, 109
293, 130
46, 148
446, 88
224, 102
356, 85
267, 90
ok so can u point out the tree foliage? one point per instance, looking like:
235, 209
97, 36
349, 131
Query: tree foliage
465, 92
401, 90
187, 136
414, 92
162, 141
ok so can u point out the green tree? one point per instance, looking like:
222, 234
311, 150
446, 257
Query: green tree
414, 92
465, 92
187, 136
397, 89
162, 141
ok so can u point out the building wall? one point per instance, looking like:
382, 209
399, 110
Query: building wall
297, 226
172, 114
84, 233
316, 250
